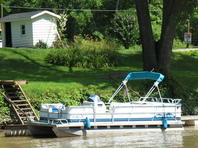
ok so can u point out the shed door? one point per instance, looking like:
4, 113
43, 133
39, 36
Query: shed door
8, 35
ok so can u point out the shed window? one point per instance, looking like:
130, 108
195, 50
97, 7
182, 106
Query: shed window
22, 29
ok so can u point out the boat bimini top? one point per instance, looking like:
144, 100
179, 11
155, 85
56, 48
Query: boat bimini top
144, 75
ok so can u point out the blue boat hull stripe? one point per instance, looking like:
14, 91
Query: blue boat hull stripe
125, 119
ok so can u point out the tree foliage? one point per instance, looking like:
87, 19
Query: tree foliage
85, 54
62, 22
87, 22
124, 28
156, 18
192, 17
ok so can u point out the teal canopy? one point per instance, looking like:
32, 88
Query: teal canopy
145, 75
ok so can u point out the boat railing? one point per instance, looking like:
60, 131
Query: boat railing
155, 99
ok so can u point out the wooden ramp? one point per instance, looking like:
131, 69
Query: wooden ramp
15, 96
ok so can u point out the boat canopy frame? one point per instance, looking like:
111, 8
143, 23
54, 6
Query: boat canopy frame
144, 75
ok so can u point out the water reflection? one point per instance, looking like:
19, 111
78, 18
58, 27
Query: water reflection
187, 138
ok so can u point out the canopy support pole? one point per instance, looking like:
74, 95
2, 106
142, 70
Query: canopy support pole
117, 91
149, 92
155, 85
159, 93
127, 92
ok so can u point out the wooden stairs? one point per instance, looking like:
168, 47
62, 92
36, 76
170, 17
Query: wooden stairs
20, 106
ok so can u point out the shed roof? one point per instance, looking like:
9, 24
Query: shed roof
26, 15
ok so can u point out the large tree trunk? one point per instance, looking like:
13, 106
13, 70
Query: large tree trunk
171, 9
158, 56
146, 34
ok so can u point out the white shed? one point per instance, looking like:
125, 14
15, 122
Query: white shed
27, 29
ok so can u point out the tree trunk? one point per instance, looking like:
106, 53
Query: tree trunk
71, 28
158, 56
171, 9
146, 34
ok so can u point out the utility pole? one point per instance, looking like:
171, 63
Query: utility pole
188, 26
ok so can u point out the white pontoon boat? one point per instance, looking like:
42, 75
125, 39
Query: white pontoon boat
96, 116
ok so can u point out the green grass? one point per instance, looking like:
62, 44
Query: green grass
185, 68
29, 64
45, 79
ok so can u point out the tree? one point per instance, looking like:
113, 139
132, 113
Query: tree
157, 54
183, 26
124, 28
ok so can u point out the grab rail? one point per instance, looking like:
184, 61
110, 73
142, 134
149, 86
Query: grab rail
154, 99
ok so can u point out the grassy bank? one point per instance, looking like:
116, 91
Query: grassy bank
184, 68
49, 83
45, 80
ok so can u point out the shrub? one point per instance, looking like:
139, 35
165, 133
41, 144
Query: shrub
177, 43
124, 28
59, 43
4, 109
75, 57
41, 44
90, 43
97, 35
68, 97
88, 55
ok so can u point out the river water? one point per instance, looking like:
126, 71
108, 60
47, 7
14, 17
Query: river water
180, 138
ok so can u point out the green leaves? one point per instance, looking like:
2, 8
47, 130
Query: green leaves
85, 54
4, 109
62, 22
156, 18
124, 28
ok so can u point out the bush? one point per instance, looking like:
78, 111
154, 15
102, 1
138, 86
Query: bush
175, 89
89, 55
125, 28
41, 44
177, 43
4, 109
68, 97
90, 43
97, 35
60, 43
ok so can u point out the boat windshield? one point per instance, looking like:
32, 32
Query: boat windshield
94, 98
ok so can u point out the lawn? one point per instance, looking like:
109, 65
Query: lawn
29, 64
185, 68
49, 83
